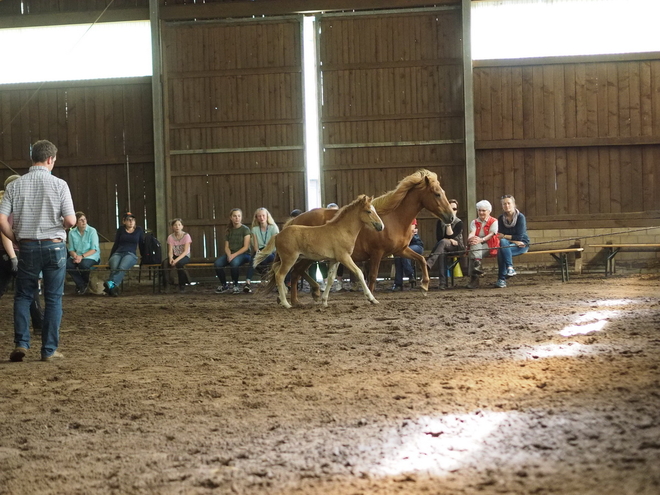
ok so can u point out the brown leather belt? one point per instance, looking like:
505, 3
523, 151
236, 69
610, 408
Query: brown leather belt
41, 240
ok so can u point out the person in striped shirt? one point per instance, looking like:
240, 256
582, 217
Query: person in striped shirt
42, 211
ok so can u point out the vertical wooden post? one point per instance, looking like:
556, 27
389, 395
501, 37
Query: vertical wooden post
160, 176
468, 96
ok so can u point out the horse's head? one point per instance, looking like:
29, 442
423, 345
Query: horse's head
368, 213
435, 200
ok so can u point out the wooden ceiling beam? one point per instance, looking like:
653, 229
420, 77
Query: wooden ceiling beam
65, 18
285, 7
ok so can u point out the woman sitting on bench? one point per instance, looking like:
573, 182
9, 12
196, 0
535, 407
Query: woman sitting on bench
124, 253
482, 239
513, 239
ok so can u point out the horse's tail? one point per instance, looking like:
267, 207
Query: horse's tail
261, 255
268, 280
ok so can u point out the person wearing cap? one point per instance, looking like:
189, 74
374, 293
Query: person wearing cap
123, 255
403, 266
42, 210
482, 240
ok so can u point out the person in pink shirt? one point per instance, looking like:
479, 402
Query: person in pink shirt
178, 254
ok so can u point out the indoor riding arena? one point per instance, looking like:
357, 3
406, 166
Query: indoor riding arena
549, 385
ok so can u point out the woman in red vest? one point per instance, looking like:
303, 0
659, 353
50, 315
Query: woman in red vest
482, 240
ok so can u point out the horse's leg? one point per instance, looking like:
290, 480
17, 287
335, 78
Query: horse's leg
349, 263
299, 269
314, 286
412, 255
374, 266
332, 273
280, 275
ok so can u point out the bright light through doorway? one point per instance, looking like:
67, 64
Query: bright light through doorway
312, 150
545, 28
75, 52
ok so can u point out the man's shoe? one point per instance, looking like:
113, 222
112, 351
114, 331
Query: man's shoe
500, 284
477, 267
81, 291
17, 354
222, 288
53, 356
237, 289
247, 289
396, 287
510, 272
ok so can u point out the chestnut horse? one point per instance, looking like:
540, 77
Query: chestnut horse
397, 208
332, 241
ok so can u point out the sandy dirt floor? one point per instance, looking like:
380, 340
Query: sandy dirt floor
540, 388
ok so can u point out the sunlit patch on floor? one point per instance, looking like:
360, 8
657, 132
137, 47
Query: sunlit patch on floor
614, 302
589, 322
438, 445
557, 350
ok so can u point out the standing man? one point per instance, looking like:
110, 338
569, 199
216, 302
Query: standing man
42, 210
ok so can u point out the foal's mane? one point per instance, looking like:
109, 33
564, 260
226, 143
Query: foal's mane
391, 200
361, 199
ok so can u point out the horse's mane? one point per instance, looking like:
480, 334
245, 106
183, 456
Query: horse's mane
391, 200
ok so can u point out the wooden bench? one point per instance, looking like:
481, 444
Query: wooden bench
614, 248
560, 255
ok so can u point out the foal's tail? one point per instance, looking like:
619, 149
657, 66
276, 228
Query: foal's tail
261, 255
268, 280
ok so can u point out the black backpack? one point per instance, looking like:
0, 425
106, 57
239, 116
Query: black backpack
151, 254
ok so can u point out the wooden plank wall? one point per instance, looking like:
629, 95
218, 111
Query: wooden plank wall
390, 79
577, 143
234, 124
98, 127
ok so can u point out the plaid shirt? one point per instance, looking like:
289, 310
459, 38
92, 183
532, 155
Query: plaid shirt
38, 201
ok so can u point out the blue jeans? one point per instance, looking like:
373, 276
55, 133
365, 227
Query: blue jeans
120, 263
37, 257
80, 272
221, 262
262, 267
404, 266
505, 256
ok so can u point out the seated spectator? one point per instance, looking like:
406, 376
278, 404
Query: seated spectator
482, 240
236, 249
449, 240
123, 255
403, 266
514, 240
84, 252
263, 228
178, 255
